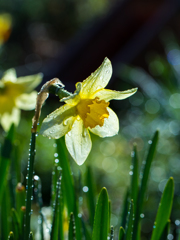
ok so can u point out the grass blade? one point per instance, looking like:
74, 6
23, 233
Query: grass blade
29, 185
11, 236
121, 233
112, 233
134, 178
164, 210
129, 227
144, 181
16, 224
72, 228
67, 180
20, 197
55, 223
125, 210
101, 219
5, 159
90, 194
166, 231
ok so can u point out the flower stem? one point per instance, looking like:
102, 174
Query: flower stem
29, 185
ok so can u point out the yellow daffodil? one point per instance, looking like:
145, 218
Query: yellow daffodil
86, 110
15, 94
5, 27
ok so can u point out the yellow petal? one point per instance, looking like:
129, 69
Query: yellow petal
107, 95
110, 126
26, 101
74, 98
30, 82
8, 118
97, 80
78, 142
9, 75
59, 122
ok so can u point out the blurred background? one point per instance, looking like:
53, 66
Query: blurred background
69, 40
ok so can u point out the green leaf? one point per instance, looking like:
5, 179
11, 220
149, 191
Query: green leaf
129, 227
56, 213
31, 236
134, 178
101, 219
125, 209
164, 210
112, 233
5, 159
72, 228
121, 233
144, 181
11, 236
16, 224
166, 231
67, 180
90, 194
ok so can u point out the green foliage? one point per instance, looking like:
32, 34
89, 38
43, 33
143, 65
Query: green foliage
68, 220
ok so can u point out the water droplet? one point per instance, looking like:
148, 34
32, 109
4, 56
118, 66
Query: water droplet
54, 145
85, 189
131, 173
79, 215
131, 167
150, 142
69, 134
78, 118
132, 154
101, 77
142, 215
65, 122
36, 178
56, 155
37, 134
56, 160
49, 137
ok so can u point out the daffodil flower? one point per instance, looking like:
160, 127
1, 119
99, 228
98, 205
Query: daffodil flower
15, 94
86, 110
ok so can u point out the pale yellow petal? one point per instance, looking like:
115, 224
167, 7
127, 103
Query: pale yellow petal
26, 101
9, 75
110, 126
107, 95
59, 122
97, 80
30, 82
8, 118
78, 142
74, 98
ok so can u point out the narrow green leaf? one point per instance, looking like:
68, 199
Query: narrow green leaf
129, 227
90, 194
112, 233
20, 197
101, 219
55, 222
145, 176
134, 178
72, 228
165, 231
86, 230
164, 210
16, 224
125, 210
29, 185
5, 159
31, 236
11, 236
67, 180
121, 233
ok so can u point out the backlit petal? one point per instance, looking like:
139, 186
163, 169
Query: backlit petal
9, 75
78, 142
59, 122
8, 118
26, 101
97, 80
110, 126
108, 95
30, 82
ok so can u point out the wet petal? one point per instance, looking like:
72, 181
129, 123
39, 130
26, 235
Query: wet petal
78, 142
110, 126
97, 80
108, 95
26, 101
8, 118
59, 122
74, 98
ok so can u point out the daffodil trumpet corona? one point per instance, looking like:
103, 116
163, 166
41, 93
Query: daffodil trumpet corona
87, 110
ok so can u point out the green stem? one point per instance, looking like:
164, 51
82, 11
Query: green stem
29, 185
